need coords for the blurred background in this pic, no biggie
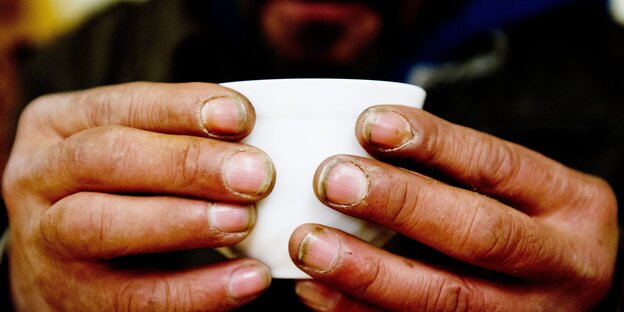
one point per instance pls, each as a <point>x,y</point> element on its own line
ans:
<point>35,22</point>
<point>38,21</point>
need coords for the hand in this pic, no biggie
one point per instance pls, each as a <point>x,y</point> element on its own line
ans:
<point>545,234</point>
<point>127,170</point>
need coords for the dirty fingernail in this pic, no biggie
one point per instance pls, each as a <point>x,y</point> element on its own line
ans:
<point>232,218</point>
<point>319,250</point>
<point>248,281</point>
<point>343,183</point>
<point>386,129</point>
<point>224,116</point>
<point>316,296</point>
<point>248,173</point>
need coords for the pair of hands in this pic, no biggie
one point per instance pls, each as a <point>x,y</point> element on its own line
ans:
<point>141,168</point>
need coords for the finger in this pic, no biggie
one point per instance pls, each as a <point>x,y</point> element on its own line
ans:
<point>103,226</point>
<point>462,224</point>
<point>391,282</point>
<point>119,159</point>
<point>319,297</point>
<point>218,287</point>
<point>512,173</point>
<point>199,109</point>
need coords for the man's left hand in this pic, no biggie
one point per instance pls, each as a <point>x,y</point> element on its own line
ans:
<point>510,211</point>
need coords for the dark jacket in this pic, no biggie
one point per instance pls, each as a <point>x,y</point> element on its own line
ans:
<point>554,80</point>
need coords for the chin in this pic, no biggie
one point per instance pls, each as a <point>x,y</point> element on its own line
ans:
<point>320,31</point>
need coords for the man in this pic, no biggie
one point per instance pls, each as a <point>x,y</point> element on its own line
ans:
<point>105,186</point>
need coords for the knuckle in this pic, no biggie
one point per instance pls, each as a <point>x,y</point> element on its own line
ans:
<point>432,137</point>
<point>32,111</point>
<point>493,239</point>
<point>137,296</point>
<point>156,295</point>
<point>108,148</point>
<point>370,282</point>
<point>38,112</point>
<point>13,182</point>
<point>74,234</point>
<point>500,163</point>
<point>601,200</point>
<point>119,104</point>
<point>186,165</point>
<point>40,104</point>
<point>401,203</point>
<point>99,108</point>
<point>74,155</point>
<point>50,231</point>
<point>454,296</point>
<point>18,173</point>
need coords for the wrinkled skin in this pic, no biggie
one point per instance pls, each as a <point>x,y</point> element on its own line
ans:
<point>548,230</point>
<point>142,168</point>
<point>126,170</point>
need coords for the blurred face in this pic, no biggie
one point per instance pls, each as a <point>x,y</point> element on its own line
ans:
<point>331,31</point>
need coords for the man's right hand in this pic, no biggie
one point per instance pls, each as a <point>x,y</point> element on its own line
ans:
<point>133,169</point>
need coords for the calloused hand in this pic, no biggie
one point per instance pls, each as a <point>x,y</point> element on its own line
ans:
<point>126,170</point>
<point>550,231</point>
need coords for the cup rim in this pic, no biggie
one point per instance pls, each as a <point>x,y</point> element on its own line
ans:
<point>327,80</point>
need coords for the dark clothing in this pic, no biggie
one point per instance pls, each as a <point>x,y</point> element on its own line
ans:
<point>557,87</point>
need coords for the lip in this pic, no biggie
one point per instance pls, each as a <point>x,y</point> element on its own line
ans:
<point>325,11</point>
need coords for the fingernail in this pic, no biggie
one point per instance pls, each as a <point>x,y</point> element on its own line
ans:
<point>224,116</point>
<point>248,281</point>
<point>231,218</point>
<point>343,183</point>
<point>386,129</point>
<point>319,250</point>
<point>248,173</point>
<point>317,297</point>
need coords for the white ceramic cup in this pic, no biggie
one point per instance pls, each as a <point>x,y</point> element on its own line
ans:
<point>300,123</point>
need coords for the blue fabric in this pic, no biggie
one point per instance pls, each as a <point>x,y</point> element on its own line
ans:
<point>480,16</point>
<point>477,17</point>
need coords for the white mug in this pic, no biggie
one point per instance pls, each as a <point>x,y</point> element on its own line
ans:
<point>300,123</point>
